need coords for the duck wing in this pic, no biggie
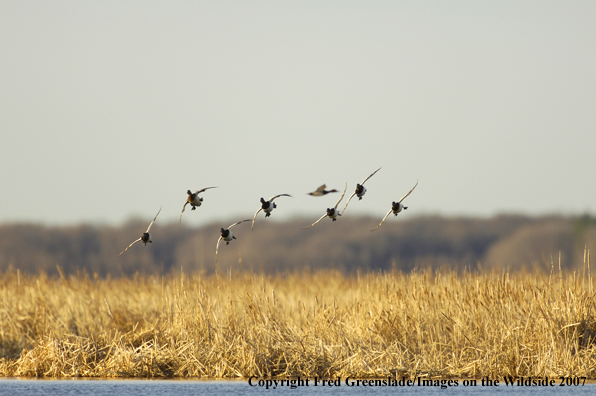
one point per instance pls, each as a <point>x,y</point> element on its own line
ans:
<point>204,189</point>
<point>253,219</point>
<point>371,175</point>
<point>404,197</point>
<point>342,196</point>
<point>183,208</point>
<point>236,223</point>
<point>217,247</point>
<point>129,247</point>
<point>148,228</point>
<point>351,196</point>
<point>321,218</point>
<point>382,221</point>
<point>279,195</point>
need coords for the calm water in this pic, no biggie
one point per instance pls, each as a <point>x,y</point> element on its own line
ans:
<point>18,387</point>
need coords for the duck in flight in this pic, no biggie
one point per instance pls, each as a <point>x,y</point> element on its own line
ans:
<point>397,207</point>
<point>319,192</point>
<point>227,235</point>
<point>331,212</point>
<point>360,190</point>
<point>267,207</point>
<point>193,199</point>
<point>146,237</point>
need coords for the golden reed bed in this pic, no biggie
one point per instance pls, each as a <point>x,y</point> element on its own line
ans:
<point>320,324</point>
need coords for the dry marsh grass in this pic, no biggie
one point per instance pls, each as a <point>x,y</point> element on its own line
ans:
<point>320,324</point>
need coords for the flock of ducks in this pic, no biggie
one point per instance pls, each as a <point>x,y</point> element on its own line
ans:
<point>267,207</point>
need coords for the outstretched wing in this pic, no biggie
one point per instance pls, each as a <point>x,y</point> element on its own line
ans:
<point>322,217</point>
<point>148,228</point>
<point>404,197</point>
<point>236,223</point>
<point>342,196</point>
<point>183,208</point>
<point>279,195</point>
<point>253,219</point>
<point>383,220</point>
<point>217,247</point>
<point>129,247</point>
<point>200,191</point>
<point>351,196</point>
<point>371,175</point>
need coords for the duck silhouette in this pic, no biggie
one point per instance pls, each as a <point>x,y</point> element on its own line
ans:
<point>360,190</point>
<point>331,212</point>
<point>319,192</point>
<point>146,237</point>
<point>193,199</point>
<point>267,207</point>
<point>396,207</point>
<point>227,235</point>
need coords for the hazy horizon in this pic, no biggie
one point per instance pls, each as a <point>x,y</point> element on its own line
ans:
<point>111,110</point>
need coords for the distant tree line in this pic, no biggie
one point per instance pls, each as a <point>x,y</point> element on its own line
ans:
<point>512,242</point>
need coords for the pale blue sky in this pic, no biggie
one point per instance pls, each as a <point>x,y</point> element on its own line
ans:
<point>110,109</point>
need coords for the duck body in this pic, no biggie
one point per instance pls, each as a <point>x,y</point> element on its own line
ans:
<point>322,190</point>
<point>146,238</point>
<point>360,191</point>
<point>227,235</point>
<point>333,213</point>
<point>397,207</point>
<point>267,207</point>
<point>194,200</point>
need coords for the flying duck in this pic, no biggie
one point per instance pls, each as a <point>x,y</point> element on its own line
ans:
<point>193,199</point>
<point>397,207</point>
<point>226,235</point>
<point>146,237</point>
<point>319,192</point>
<point>267,207</point>
<point>360,190</point>
<point>331,212</point>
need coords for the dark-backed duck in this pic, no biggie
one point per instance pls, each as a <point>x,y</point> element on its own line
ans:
<point>267,207</point>
<point>331,212</point>
<point>360,190</point>
<point>146,237</point>
<point>193,199</point>
<point>226,235</point>
<point>397,207</point>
